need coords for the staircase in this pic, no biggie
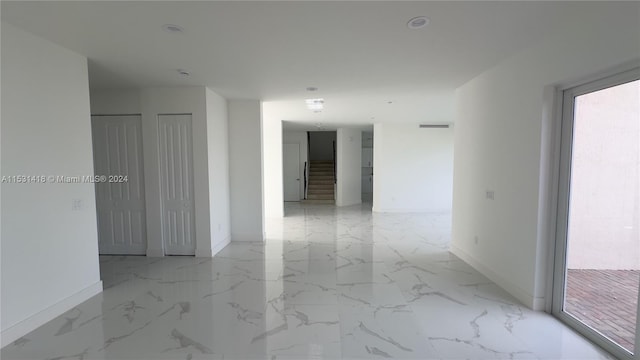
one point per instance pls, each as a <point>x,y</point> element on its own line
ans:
<point>321,181</point>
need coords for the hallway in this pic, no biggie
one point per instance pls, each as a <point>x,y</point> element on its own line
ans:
<point>338,283</point>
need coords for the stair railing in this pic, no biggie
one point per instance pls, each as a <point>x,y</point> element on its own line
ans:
<point>306,180</point>
<point>335,176</point>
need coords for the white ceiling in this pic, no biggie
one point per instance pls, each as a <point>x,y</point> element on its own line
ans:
<point>359,54</point>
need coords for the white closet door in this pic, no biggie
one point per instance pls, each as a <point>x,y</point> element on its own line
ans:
<point>117,152</point>
<point>176,184</point>
<point>291,169</point>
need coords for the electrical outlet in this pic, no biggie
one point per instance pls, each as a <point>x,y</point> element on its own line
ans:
<point>489,194</point>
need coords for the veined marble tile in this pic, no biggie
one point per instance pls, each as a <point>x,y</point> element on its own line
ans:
<point>310,290</point>
<point>305,331</point>
<point>309,251</point>
<point>332,283</point>
<point>382,332</point>
<point>371,295</point>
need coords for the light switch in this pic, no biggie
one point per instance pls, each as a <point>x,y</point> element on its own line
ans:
<point>76,204</point>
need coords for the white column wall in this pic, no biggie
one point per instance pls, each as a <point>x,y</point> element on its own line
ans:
<point>348,167</point>
<point>413,169</point>
<point>218,156</point>
<point>245,170</point>
<point>272,160</point>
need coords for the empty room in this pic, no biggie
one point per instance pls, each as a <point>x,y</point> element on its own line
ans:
<point>320,180</point>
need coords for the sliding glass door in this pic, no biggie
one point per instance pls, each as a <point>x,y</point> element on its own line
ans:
<point>597,274</point>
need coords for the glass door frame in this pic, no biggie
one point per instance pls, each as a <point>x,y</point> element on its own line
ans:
<point>568,96</point>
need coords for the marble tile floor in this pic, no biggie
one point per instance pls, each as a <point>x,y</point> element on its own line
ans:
<point>330,283</point>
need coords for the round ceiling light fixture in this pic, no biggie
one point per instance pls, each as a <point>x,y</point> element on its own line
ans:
<point>312,88</point>
<point>418,22</point>
<point>183,72</point>
<point>172,28</point>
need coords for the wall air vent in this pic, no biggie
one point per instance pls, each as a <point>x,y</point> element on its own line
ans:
<point>434,126</point>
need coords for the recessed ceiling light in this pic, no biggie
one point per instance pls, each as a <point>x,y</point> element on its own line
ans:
<point>172,28</point>
<point>312,88</point>
<point>315,105</point>
<point>183,72</point>
<point>418,22</point>
<point>389,102</point>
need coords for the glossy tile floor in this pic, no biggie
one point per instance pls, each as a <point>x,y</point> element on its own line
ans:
<point>334,284</point>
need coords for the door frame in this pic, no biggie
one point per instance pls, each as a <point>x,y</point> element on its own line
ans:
<point>566,99</point>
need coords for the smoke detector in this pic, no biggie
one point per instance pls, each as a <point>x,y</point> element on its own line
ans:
<point>172,28</point>
<point>418,22</point>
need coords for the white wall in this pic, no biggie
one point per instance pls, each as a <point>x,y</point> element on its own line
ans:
<point>348,167</point>
<point>49,251</point>
<point>210,160</point>
<point>300,138</point>
<point>218,156</point>
<point>245,170</point>
<point>503,142</point>
<point>413,168</point>
<point>115,102</point>
<point>272,160</point>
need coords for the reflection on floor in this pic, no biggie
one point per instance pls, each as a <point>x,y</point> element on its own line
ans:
<point>335,283</point>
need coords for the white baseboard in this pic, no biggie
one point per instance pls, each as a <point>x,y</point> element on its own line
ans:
<point>31,323</point>
<point>219,246</point>
<point>530,301</point>
<point>216,248</point>
<point>155,252</point>
<point>340,204</point>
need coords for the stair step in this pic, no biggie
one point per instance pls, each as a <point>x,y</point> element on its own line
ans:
<point>321,177</point>
<point>321,186</point>
<point>321,182</point>
<point>320,196</point>
<point>320,191</point>
<point>308,201</point>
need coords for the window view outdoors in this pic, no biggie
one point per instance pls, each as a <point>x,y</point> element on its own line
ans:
<point>603,245</point>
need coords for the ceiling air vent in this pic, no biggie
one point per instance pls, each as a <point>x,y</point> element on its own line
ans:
<point>434,126</point>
